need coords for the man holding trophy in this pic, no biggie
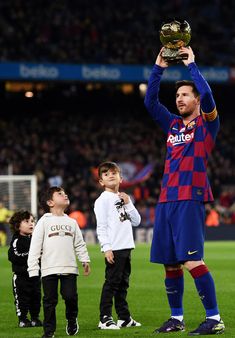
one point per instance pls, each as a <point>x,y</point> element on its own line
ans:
<point>178,236</point>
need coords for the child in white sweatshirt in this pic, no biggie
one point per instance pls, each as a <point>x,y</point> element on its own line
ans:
<point>115,216</point>
<point>56,241</point>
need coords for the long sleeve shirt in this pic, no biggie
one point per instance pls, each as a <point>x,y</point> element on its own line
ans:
<point>115,221</point>
<point>57,240</point>
<point>18,253</point>
<point>188,146</point>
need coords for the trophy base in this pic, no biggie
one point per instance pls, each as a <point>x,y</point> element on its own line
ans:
<point>173,56</point>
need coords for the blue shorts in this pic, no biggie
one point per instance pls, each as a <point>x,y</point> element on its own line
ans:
<point>179,232</point>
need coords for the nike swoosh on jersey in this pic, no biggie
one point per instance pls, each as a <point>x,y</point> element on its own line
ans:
<point>192,252</point>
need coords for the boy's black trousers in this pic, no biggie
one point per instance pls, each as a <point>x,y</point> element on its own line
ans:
<point>27,294</point>
<point>116,285</point>
<point>68,291</point>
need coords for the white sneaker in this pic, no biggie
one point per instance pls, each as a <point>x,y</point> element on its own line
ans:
<point>127,323</point>
<point>108,324</point>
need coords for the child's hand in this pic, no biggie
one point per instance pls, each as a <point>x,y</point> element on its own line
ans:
<point>124,197</point>
<point>109,256</point>
<point>86,269</point>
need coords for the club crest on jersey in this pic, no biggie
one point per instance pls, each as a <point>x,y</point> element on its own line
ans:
<point>191,125</point>
<point>180,138</point>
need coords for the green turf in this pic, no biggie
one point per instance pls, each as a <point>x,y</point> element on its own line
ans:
<point>146,296</point>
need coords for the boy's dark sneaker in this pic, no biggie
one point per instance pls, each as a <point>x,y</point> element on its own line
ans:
<point>171,325</point>
<point>72,327</point>
<point>48,335</point>
<point>209,326</point>
<point>24,323</point>
<point>36,322</point>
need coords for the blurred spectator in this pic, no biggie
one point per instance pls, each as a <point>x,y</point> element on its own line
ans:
<point>141,192</point>
<point>226,198</point>
<point>5,215</point>
<point>147,214</point>
<point>80,217</point>
<point>212,216</point>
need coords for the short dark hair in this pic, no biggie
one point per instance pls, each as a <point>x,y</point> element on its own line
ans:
<point>179,84</point>
<point>17,218</point>
<point>105,166</point>
<point>47,196</point>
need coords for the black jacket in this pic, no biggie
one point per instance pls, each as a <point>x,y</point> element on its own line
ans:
<point>18,253</point>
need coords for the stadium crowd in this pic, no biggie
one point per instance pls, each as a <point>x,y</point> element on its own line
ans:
<point>63,146</point>
<point>112,32</point>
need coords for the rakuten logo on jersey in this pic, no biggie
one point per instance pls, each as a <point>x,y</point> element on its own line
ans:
<point>180,139</point>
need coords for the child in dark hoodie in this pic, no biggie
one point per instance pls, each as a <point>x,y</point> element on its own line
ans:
<point>26,290</point>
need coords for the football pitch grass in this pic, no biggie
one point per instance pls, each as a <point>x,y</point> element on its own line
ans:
<point>146,296</point>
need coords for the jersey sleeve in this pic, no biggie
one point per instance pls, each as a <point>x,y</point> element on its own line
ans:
<point>158,111</point>
<point>208,106</point>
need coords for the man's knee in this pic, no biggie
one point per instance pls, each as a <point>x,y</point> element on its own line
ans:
<point>189,265</point>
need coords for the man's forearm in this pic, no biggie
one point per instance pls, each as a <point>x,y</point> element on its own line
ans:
<point>153,87</point>
<point>206,97</point>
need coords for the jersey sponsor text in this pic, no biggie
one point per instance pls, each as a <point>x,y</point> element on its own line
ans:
<point>180,139</point>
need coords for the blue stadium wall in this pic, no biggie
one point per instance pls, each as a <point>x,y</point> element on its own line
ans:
<point>104,73</point>
<point>142,235</point>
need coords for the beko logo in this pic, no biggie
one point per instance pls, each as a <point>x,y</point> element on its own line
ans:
<point>38,72</point>
<point>100,73</point>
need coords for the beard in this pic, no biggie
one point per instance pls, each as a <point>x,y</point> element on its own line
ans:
<point>186,114</point>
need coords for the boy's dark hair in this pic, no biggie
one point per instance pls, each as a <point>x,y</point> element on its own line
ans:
<point>17,218</point>
<point>179,84</point>
<point>105,166</point>
<point>47,196</point>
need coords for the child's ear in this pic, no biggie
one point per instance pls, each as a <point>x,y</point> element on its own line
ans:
<point>121,179</point>
<point>50,203</point>
<point>101,182</point>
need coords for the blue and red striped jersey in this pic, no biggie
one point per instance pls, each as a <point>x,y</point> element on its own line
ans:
<point>188,146</point>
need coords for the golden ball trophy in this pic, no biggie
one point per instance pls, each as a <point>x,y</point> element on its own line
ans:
<point>174,35</point>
